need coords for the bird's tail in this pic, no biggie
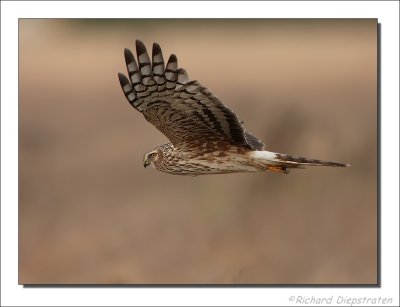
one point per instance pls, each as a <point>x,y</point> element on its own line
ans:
<point>288,159</point>
<point>282,163</point>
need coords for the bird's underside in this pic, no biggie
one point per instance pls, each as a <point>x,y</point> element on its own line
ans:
<point>206,137</point>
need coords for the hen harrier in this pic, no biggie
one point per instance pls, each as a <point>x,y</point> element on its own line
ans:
<point>206,137</point>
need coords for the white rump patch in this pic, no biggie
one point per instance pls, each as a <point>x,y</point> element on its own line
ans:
<point>264,155</point>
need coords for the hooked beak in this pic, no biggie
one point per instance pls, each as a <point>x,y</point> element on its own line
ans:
<point>146,162</point>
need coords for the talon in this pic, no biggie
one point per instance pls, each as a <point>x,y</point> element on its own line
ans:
<point>277,169</point>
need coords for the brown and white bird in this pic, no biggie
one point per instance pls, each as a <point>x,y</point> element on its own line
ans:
<point>206,137</point>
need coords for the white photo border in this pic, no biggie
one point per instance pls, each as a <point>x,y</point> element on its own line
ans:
<point>12,294</point>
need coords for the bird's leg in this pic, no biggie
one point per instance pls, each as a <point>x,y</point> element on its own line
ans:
<point>277,169</point>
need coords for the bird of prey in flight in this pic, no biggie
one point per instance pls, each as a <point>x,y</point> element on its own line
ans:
<point>205,136</point>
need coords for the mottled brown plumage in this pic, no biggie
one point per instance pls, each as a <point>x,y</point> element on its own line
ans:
<point>206,137</point>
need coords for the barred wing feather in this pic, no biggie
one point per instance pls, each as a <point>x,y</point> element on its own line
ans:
<point>185,111</point>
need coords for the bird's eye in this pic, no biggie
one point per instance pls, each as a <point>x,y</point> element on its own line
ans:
<point>153,155</point>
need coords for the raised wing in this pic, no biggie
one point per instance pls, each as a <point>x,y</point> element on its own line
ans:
<point>185,111</point>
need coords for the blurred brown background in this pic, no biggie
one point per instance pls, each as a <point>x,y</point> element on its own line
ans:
<point>90,213</point>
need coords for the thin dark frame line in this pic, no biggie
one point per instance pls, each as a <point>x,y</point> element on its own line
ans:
<point>201,286</point>
<point>378,155</point>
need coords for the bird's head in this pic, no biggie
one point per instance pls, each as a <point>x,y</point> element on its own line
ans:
<point>150,158</point>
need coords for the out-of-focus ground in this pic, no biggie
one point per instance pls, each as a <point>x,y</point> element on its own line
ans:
<point>90,213</point>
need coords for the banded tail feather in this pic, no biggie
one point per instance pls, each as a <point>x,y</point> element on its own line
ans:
<point>306,161</point>
<point>282,163</point>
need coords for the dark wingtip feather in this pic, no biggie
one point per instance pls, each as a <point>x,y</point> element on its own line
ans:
<point>173,58</point>
<point>156,48</point>
<point>140,47</point>
<point>128,55</point>
<point>122,79</point>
